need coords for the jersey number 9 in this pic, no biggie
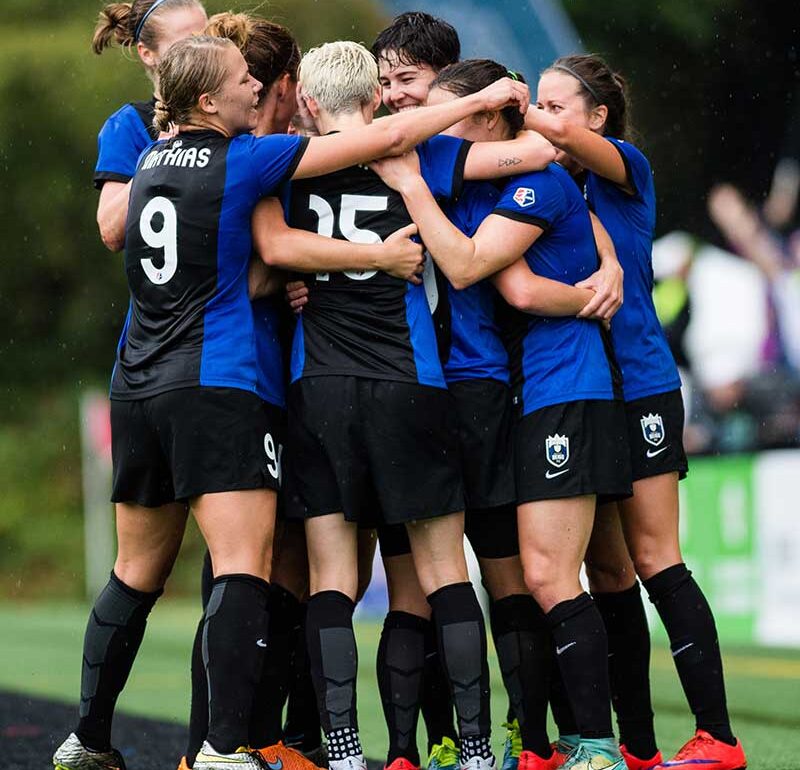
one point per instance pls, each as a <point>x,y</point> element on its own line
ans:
<point>166,238</point>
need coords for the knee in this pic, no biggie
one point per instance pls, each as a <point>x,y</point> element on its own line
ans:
<point>610,578</point>
<point>143,577</point>
<point>651,557</point>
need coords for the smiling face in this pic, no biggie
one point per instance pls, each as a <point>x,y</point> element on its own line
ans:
<point>404,86</point>
<point>235,102</point>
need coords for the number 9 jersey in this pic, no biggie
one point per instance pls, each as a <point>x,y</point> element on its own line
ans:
<point>187,248</point>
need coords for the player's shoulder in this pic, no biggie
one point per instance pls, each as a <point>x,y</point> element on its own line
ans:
<point>545,184</point>
<point>630,152</point>
<point>129,115</point>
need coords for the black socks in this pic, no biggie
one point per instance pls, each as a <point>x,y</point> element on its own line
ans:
<point>234,642</point>
<point>302,729</point>
<point>198,711</point>
<point>461,638</point>
<point>695,647</point>
<point>334,664</point>
<point>113,635</point>
<point>581,645</point>
<point>437,699</point>
<point>629,667</point>
<point>276,676</point>
<point>523,644</point>
<point>400,664</point>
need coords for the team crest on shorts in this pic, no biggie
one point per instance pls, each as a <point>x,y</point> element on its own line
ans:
<point>557,450</point>
<point>524,197</point>
<point>653,429</point>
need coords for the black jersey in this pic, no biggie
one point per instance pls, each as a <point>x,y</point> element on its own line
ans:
<point>368,323</point>
<point>187,250</point>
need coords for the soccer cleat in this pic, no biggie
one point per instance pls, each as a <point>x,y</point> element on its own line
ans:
<point>594,754</point>
<point>563,747</point>
<point>704,749</point>
<point>634,763</point>
<point>530,760</point>
<point>183,764</point>
<point>208,758</point>
<point>512,747</point>
<point>444,755</point>
<point>356,762</point>
<point>401,763</point>
<point>73,755</point>
<point>479,763</point>
<point>281,757</point>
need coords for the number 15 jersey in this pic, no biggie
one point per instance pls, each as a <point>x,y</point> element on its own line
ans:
<point>368,323</point>
<point>187,248</point>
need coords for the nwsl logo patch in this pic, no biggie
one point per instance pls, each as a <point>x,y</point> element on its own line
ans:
<point>524,197</point>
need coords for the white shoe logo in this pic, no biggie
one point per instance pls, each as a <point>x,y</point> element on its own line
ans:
<point>552,475</point>
<point>682,649</point>
<point>261,643</point>
<point>651,453</point>
<point>559,650</point>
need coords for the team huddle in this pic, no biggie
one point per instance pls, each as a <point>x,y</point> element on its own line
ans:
<point>305,377</point>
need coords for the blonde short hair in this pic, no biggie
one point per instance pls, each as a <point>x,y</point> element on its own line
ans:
<point>340,76</point>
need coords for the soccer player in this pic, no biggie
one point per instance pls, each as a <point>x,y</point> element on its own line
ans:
<point>570,444</point>
<point>584,111</point>
<point>188,427</point>
<point>151,26</point>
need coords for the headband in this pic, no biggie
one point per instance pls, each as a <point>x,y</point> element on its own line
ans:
<point>577,77</point>
<point>513,75</point>
<point>145,18</point>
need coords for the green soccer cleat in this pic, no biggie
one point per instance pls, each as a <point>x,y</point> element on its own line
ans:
<point>595,754</point>
<point>512,747</point>
<point>444,756</point>
<point>73,755</point>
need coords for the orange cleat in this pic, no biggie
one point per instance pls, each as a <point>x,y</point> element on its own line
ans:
<point>634,763</point>
<point>529,760</point>
<point>280,757</point>
<point>705,750</point>
<point>183,765</point>
<point>401,763</point>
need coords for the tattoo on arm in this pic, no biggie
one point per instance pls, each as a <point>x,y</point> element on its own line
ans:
<point>501,162</point>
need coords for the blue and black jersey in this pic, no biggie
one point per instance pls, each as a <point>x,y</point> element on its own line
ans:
<point>641,347</point>
<point>556,360</point>
<point>368,324</point>
<point>187,249</point>
<point>476,348</point>
<point>121,141</point>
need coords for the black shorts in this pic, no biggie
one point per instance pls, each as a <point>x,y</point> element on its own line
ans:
<point>375,450</point>
<point>485,433</point>
<point>492,533</point>
<point>188,442</point>
<point>655,435</point>
<point>577,448</point>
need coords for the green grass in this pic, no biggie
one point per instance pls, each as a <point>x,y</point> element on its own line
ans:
<point>41,651</point>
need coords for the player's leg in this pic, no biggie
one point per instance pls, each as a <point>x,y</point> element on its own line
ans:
<point>650,520</point>
<point>403,692</point>
<point>238,528</point>
<point>521,635</point>
<point>333,658</point>
<point>616,592</point>
<point>438,550</point>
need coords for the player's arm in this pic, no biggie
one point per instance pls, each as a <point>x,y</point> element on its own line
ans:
<point>591,150</point>
<point>281,246</point>
<point>399,133</point>
<point>607,281</point>
<point>263,280</point>
<point>112,212</point>
<point>530,293</point>
<point>529,151</point>
<point>498,243</point>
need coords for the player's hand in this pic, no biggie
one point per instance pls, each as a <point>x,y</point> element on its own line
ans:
<point>397,171</point>
<point>607,286</point>
<point>402,257</point>
<point>506,91</point>
<point>296,295</point>
<point>307,125</point>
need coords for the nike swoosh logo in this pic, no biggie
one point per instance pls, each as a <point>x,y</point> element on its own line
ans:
<point>618,765</point>
<point>684,762</point>
<point>278,765</point>
<point>559,650</point>
<point>262,643</point>
<point>682,649</point>
<point>651,453</point>
<point>552,475</point>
